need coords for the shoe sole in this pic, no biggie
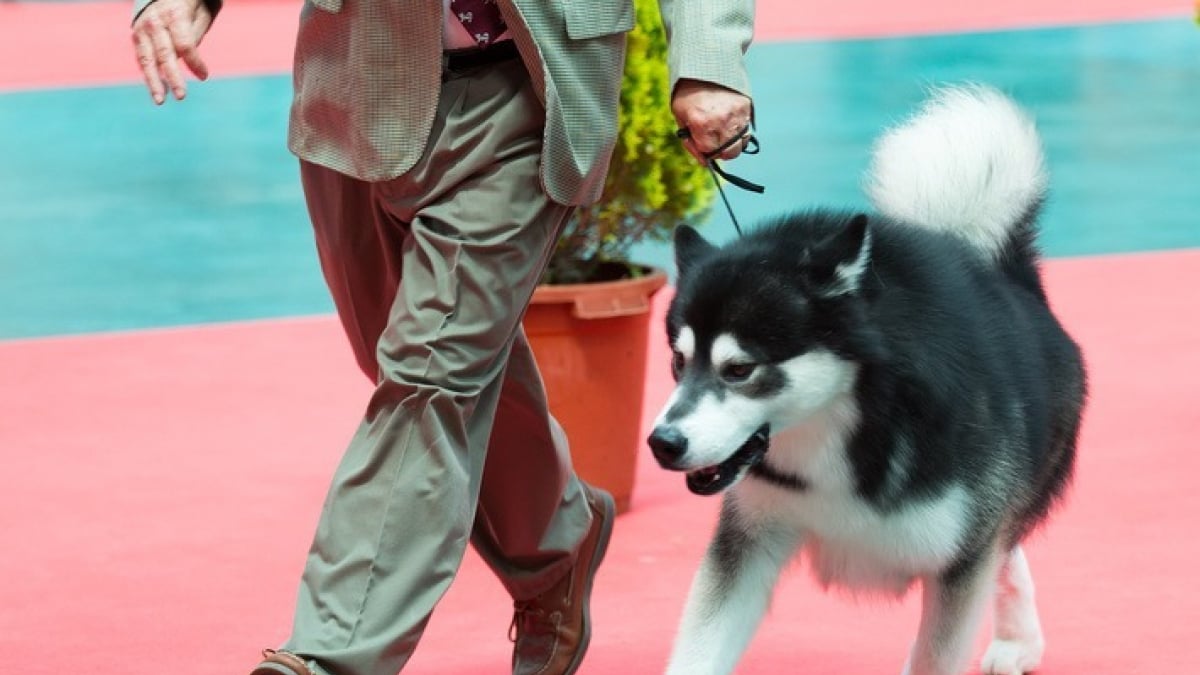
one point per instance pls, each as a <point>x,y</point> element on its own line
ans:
<point>609,508</point>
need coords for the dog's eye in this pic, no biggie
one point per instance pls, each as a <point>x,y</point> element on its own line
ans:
<point>678,361</point>
<point>737,372</point>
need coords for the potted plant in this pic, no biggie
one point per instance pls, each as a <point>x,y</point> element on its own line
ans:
<point>588,323</point>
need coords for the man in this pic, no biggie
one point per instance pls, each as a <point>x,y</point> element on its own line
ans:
<point>443,144</point>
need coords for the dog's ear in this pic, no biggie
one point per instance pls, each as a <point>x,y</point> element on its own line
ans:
<point>839,261</point>
<point>690,246</point>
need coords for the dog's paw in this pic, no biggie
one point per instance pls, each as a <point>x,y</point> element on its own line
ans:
<point>1012,657</point>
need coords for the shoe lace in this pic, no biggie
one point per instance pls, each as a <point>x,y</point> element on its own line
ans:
<point>525,614</point>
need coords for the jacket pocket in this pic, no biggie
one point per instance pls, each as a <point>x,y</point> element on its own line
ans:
<point>596,18</point>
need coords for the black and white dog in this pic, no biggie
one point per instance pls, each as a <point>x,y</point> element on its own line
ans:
<point>888,394</point>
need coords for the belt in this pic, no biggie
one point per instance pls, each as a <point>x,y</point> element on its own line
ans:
<point>461,60</point>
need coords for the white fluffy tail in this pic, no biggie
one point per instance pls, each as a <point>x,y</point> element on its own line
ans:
<point>968,162</point>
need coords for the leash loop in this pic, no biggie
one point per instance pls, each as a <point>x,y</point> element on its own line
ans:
<point>710,160</point>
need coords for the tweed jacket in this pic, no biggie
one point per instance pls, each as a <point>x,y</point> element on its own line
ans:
<point>368,72</point>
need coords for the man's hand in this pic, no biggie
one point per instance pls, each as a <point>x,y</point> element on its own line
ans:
<point>166,31</point>
<point>713,115</point>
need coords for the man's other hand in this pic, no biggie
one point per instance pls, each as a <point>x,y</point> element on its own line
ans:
<point>166,32</point>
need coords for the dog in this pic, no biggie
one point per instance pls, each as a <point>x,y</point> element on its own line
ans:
<point>887,394</point>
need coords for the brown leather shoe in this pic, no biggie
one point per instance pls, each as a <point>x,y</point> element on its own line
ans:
<point>281,663</point>
<point>553,629</point>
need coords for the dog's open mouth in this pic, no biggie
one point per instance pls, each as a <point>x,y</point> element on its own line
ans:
<point>713,479</point>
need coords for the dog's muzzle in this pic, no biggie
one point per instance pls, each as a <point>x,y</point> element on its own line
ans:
<point>670,446</point>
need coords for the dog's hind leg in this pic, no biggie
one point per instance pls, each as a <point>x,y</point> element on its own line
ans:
<point>729,595</point>
<point>1017,642</point>
<point>953,606</point>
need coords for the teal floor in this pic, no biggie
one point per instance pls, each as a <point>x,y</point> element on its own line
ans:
<point>117,215</point>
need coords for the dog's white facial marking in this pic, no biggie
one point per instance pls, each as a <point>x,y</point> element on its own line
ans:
<point>814,380</point>
<point>726,350</point>
<point>685,343</point>
<point>716,428</point>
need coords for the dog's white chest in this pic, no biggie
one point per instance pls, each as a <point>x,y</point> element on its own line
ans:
<point>848,541</point>
<point>852,545</point>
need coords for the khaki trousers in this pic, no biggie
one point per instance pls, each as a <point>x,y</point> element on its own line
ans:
<point>431,273</point>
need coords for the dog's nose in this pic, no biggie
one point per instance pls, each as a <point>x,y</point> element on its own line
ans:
<point>667,444</point>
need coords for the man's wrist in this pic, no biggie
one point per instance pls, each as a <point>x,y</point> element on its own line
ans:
<point>213,6</point>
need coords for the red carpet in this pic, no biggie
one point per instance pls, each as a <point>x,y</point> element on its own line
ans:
<point>87,44</point>
<point>158,491</point>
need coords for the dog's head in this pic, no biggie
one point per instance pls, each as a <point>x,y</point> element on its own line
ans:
<point>766,333</point>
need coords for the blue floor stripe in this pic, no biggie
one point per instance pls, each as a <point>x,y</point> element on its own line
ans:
<point>118,215</point>
<point>115,214</point>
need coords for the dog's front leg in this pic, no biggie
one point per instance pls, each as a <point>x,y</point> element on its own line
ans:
<point>730,593</point>
<point>951,613</point>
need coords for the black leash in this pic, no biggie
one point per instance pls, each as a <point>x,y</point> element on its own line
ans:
<point>710,160</point>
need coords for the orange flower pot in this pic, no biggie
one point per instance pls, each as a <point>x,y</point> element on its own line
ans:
<point>590,342</point>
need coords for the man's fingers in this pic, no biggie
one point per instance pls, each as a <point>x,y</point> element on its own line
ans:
<point>702,141</point>
<point>704,144</point>
<point>736,148</point>
<point>144,49</point>
<point>690,145</point>
<point>185,42</point>
<point>166,58</point>
<point>166,32</point>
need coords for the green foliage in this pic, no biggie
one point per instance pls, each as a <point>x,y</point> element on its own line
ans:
<point>652,185</point>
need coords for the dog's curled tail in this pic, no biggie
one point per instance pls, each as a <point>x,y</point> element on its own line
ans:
<point>969,162</point>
